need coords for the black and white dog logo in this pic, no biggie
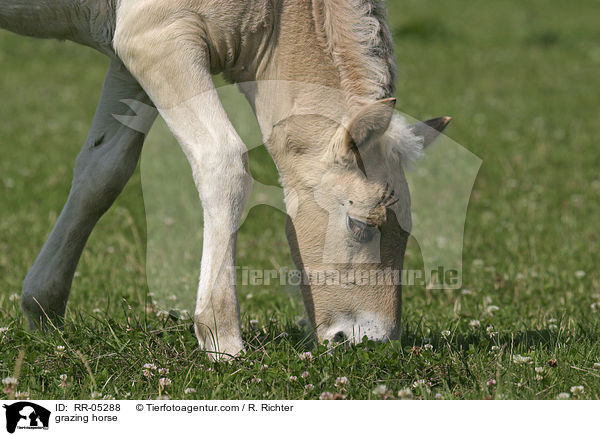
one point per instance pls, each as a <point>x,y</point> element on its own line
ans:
<point>26,415</point>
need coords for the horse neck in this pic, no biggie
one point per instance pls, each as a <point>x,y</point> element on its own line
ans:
<point>296,74</point>
<point>299,73</point>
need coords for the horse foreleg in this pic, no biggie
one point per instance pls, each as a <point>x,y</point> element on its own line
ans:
<point>177,77</point>
<point>103,167</point>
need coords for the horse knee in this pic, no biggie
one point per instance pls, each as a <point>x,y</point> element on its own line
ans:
<point>224,179</point>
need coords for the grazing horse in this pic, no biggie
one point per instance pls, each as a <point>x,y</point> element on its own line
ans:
<point>320,76</point>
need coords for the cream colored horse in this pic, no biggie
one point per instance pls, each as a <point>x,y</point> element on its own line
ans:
<point>320,76</point>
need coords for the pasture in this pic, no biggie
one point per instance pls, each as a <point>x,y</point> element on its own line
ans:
<point>521,83</point>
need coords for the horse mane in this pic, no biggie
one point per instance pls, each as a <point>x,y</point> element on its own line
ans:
<point>356,35</point>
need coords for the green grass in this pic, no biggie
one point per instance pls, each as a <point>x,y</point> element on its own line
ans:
<point>521,81</point>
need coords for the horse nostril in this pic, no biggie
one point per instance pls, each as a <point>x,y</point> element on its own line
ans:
<point>339,337</point>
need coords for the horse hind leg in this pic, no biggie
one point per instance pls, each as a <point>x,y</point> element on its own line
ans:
<point>103,167</point>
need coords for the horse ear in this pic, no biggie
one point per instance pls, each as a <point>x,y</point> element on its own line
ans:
<point>430,129</point>
<point>371,122</point>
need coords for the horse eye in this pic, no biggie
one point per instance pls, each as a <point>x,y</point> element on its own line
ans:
<point>360,231</point>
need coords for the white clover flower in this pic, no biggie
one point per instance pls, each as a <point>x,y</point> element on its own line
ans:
<point>428,347</point>
<point>162,315</point>
<point>3,330</point>
<point>189,391</point>
<point>492,308</point>
<point>309,387</point>
<point>148,368</point>
<point>326,396</point>
<point>380,390</point>
<point>10,381</point>
<point>293,378</point>
<point>438,396</point>
<point>405,394</point>
<point>22,395</point>
<point>164,381</point>
<point>60,348</point>
<point>163,371</point>
<point>305,374</point>
<point>579,274</point>
<point>341,381</point>
<point>490,329</point>
<point>418,383</point>
<point>256,380</point>
<point>96,310</point>
<point>446,333</point>
<point>577,390</point>
<point>475,323</point>
<point>306,356</point>
<point>95,395</point>
<point>495,348</point>
<point>564,396</point>
<point>14,297</point>
<point>552,320</point>
<point>521,359</point>
<point>540,369</point>
<point>264,367</point>
<point>552,327</point>
<point>595,306</point>
<point>491,382</point>
<point>63,377</point>
<point>596,364</point>
<point>254,323</point>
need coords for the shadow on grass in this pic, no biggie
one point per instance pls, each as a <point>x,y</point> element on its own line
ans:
<point>518,340</point>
